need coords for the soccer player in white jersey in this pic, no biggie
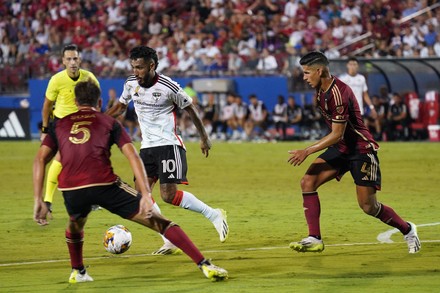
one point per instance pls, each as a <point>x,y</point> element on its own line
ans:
<point>156,98</point>
<point>358,85</point>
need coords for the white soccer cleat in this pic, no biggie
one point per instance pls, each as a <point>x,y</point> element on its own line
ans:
<point>167,249</point>
<point>213,272</point>
<point>221,225</point>
<point>412,239</point>
<point>76,277</point>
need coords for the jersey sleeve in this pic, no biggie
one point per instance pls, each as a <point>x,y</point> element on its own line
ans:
<point>93,77</point>
<point>340,107</point>
<point>52,90</point>
<point>364,84</point>
<point>120,135</point>
<point>125,97</point>
<point>181,99</point>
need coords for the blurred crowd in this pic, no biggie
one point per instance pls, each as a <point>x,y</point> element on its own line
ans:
<point>211,37</point>
<point>233,118</point>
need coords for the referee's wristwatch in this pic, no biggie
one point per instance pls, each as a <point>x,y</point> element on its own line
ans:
<point>44,129</point>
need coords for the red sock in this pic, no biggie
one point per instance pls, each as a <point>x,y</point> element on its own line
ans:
<point>181,240</point>
<point>389,217</point>
<point>178,198</point>
<point>75,244</point>
<point>312,211</point>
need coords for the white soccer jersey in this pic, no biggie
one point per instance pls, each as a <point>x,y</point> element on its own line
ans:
<point>358,85</point>
<point>156,109</point>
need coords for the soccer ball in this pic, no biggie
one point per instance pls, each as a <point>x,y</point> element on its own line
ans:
<point>117,239</point>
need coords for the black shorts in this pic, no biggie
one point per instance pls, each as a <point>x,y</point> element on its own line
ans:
<point>166,163</point>
<point>364,168</point>
<point>118,198</point>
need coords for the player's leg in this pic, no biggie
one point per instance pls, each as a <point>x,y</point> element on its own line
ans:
<point>52,180</point>
<point>368,180</point>
<point>172,170</point>
<point>78,211</point>
<point>124,201</point>
<point>178,237</point>
<point>151,162</point>
<point>317,174</point>
<point>189,201</point>
<point>168,247</point>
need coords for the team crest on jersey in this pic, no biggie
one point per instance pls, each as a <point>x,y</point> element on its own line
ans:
<point>156,96</point>
<point>136,91</point>
<point>340,109</point>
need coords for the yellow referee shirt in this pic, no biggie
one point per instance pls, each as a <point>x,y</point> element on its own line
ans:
<point>61,91</point>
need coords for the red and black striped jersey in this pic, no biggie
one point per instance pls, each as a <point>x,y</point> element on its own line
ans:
<point>339,105</point>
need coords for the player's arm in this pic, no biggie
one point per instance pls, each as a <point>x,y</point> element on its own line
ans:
<point>205,143</point>
<point>45,114</point>
<point>146,205</point>
<point>368,101</point>
<point>116,110</point>
<point>43,157</point>
<point>337,134</point>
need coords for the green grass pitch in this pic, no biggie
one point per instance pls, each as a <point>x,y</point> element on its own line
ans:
<point>262,196</point>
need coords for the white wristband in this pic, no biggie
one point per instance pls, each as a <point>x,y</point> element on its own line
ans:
<point>371,107</point>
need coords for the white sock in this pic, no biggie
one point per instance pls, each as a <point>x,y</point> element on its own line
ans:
<point>156,207</point>
<point>192,203</point>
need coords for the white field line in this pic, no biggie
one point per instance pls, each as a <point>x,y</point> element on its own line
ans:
<point>381,241</point>
<point>385,237</point>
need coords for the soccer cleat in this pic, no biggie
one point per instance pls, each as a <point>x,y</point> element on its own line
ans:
<point>96,207</point>
<point>213,272</point>
<point>412,239</point>
<point>221,225</point>
<point>76,277</point>
<point>309,244</point>
<point>167,249</point>
<point>49,209</point>
<point>49,206</point>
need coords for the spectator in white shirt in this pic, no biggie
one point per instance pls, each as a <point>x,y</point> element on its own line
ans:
<point>122,66</point>
<point>186,63</point>
<point>350,10</point>
<point>290,8</point>
<point>267,62</point>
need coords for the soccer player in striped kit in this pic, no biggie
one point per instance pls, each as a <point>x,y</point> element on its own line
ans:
<point>349,147</point>
<point>156,98</point>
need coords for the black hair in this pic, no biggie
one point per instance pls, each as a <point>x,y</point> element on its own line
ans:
<point>87,93</point>
<point>145,53</point>
<point>70,47</point>
<point>352,58</point>
<point>313,58</point>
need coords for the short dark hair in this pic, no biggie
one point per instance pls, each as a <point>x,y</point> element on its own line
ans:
<point>145,53</point>
<point>313,58</point>
<point>70,47</point>
<point>352,58</point>
<point>87,93</point>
